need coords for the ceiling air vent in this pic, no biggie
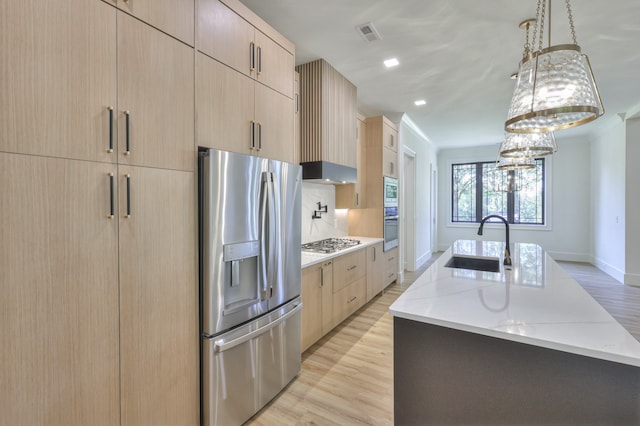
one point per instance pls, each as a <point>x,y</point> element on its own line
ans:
<point>369,32</point>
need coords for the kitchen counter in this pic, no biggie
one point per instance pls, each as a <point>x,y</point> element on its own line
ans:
<point>527,344</point>
<point>536,303</point>
<point>310,258</point>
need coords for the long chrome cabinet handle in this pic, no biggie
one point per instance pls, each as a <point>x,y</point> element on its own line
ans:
<point>259,137</point>
<point>252,57</point>
<point>352,267</point>
<point>112,206</point>
<point>252,141</point>
<point>259,60</point>
<point>110,109</point>
<point>127,140</point>
<point>221,346</point>
<point>128,176</point>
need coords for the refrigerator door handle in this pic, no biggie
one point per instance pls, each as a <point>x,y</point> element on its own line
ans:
<point>221,345</point>
<point>267,235</point>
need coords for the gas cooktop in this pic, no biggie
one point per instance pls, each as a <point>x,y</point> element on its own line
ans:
<point>329,245</point>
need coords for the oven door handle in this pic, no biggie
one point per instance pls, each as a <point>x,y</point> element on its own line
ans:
<point>221,345</point>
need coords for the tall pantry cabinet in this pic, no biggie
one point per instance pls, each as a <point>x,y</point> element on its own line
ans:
<point>97,215</point>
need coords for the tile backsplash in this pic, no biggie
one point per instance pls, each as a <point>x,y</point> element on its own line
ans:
<point>334,223</point>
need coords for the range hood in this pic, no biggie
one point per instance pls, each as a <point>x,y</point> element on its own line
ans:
<point>329,173</point>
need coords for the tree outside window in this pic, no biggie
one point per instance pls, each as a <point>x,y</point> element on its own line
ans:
<point>480,189</point>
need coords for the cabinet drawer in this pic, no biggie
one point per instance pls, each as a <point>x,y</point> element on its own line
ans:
<point>348,300</point>
<point>348,268</point>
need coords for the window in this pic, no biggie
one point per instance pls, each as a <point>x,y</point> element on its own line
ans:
<point>480,189</point>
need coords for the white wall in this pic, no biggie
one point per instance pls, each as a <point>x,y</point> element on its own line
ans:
<point>424,160</point>
<point>632,203</point>
<point>334,223</point>
<point>608,200</point>
<point>568,208</point>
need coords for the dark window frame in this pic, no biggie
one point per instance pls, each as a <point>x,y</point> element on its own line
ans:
<point>511,199</point>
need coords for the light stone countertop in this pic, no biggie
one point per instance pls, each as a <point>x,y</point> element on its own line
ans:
<point>309,259</point>
<point>536,303</point>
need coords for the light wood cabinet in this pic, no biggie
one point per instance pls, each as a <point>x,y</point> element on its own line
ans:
<point>349,284</point>
<point>234,113</point>
<point>274,118</point>
<point>316,295</point>
<point>224,107</point>
<point>158,297</point>
<point>329,110</point>
<point>348,300</point>
<point>391,266</point>
<point>376,269</point>
<point>58,78</point>
<point>175,17</point>
<point>389,162</point>
<point>353,195</point>
<point>389,135</point>
<point>380,161</point>
<point>59,293</point>
<point>226,32</point>
<point>155,98</point>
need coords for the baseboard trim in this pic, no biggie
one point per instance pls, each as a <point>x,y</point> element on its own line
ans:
<point>611,270</point>
<point>569,256</point>
<point>423,259</point>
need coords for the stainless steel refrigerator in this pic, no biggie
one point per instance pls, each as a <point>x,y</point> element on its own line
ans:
<point>249,282</point>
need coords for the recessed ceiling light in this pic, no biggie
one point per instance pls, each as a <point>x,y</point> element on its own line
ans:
<point>391,62</point>
<point>420,102</point>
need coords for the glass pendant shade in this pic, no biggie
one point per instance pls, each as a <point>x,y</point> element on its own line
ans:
<point>555,90</point>
<point>515,163</point>
<point>528,145</point>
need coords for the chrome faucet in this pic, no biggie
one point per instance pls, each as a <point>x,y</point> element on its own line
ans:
<point>507,252</point>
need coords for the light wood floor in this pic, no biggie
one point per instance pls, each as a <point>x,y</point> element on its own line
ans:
<point>347,376</point>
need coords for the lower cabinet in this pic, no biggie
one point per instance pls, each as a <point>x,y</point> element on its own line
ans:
<point>391,268</point>
<point>349,284</point>
<point>376,269</point>
<point>59,358</point>
<point>98,298</point>
<point>317,312</point>
<point>159,360</point>
<point>331,292</point>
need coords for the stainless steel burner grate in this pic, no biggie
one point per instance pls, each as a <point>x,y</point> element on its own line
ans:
<point>329,245</point>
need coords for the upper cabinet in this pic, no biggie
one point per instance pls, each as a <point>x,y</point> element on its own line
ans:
<point>329,110</point>
<point>174,17</point>
<point>353,195</point>
<point>89,82</point>
<point>155,97</point>
<point>58,79</point>
<point>244,83</point>
<point>233,35</point>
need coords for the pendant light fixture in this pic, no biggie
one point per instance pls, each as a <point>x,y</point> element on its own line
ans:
<point>555,88</point>
<point>515,163</point>
<point>528,145</point>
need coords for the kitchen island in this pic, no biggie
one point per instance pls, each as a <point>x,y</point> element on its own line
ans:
<point>521,346</point>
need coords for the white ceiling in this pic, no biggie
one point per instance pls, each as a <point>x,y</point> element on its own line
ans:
<point>458,55</point>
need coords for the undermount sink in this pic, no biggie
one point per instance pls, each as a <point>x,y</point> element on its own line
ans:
<point>485,264</point>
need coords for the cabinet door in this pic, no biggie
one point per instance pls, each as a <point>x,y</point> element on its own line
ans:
<point>274,115</point>
<point>175,17</point>
<point>274,65</point>
<point>391,267</point>
<point>376,263</point>
<point>348,268</point>
<point>158,310</point>
<point>311,294</point>
<point>225,36</point>
<point>59,292</point>
<point>352,196</point>
<point>58,78</point>
<point>225,106</point>
<point>389,137</point>
<point>389,162</point>
<point>155,97</point>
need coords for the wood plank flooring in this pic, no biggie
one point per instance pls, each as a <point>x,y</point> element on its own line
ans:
<point>347,376</point>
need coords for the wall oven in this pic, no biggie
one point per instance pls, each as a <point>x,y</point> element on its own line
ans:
<point>390,229</point>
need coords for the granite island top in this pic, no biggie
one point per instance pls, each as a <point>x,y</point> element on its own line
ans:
<point>310,258</point>
<point>536,302</point>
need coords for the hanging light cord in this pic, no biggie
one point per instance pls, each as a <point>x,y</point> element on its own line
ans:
<point>573,29</point>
